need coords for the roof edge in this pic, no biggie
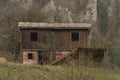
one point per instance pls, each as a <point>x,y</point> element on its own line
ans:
<point>53,25</point>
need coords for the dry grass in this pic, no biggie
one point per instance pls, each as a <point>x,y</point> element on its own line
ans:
<point>13,71</point>
<point>3,59</point>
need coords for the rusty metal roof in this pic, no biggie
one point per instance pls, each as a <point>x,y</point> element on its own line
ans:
<point>54,25</point>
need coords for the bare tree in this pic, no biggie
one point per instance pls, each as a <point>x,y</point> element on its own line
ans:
<point>10,34</point>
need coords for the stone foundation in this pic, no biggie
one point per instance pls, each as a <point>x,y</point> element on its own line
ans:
<point>33,56</point>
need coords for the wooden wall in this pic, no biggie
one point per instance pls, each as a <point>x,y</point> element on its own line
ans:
<point>54,39</point>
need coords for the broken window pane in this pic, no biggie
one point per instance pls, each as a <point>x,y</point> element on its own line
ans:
<point>75,36</point>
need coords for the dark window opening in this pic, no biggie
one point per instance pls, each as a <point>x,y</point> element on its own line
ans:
<point>30,56</point>
<point>75,36</point>
<point>34,36</point>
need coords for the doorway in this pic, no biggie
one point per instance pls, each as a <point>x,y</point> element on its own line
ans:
<point>40,58</point>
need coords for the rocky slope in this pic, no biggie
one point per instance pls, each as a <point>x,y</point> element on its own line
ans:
<point>66,10</point>
<point>90,11</point>
<point>70,11</point>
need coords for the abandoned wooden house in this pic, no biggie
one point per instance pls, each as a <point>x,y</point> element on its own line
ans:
<point>55,40</point>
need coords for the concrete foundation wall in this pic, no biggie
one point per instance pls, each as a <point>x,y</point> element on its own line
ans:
<point>34,60</point>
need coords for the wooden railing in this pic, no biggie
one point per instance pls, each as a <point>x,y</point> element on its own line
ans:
<point>64,57</point>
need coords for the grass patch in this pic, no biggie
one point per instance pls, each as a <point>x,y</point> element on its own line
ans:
<point>12,71</point>
<point>4,70</point>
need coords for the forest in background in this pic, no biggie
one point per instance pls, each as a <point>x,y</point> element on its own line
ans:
<point>105,31</point>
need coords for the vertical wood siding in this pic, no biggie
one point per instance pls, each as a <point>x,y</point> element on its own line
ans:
<point>55,39</point>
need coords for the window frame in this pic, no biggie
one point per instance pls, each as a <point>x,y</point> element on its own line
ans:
<point>37,36</point>
<point>30,57</point>
<point>78,36</point>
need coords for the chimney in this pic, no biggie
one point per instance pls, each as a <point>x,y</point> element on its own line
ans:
<point>52,19</point>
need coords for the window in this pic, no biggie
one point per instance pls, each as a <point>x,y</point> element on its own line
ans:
<point>75,36</point>
<point>30,56</point>
<point>33,36</point>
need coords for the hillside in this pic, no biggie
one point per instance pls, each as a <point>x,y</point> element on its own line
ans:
<point>11,71</point>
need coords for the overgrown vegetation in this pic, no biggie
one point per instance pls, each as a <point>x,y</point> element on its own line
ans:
<point>81,6</point>
<point>114,38</point>
<point>103,25</point>
<point>10,33</point>
<point>11,71</point>
<point>108,28</point>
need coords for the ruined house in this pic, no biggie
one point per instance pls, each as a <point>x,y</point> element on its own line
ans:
<point>57,40</point>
